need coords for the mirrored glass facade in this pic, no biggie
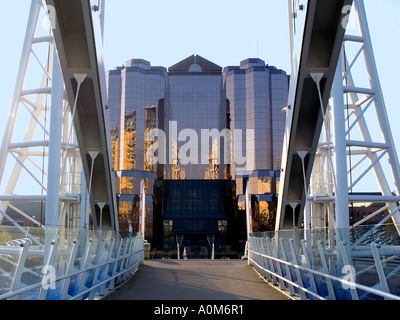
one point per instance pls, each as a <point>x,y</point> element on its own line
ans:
<point>196,122</point>
<point>134,93</point>
<point>257,93</point>
<point>195,119</point>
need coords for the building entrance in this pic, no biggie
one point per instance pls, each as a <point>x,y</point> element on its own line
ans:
<point>195,247</point>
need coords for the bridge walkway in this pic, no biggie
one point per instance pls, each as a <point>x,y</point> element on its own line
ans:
<point>196,280</point>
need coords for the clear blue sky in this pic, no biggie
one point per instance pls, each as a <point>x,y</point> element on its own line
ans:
<point>223,31</point>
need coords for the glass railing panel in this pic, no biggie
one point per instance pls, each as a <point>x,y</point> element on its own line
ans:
<point>368,256</point>
<point>51,254</point>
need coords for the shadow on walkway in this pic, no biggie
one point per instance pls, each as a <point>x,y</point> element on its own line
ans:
<point>196,280</point>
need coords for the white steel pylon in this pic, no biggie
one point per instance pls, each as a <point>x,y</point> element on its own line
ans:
<point>357,146</point>
<point>44,165</point>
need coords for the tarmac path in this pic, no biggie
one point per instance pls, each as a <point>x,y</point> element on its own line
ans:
<point>196,280</point>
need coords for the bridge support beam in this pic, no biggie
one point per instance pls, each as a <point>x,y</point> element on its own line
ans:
<point>340,158</point>
<point>54,166</point>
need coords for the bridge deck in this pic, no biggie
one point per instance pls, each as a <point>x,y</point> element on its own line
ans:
<point>196,280</point>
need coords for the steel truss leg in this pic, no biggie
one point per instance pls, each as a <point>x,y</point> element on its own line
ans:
<point>344,149</point>
<point>55,184</point>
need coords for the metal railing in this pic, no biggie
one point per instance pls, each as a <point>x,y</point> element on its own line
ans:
<point>65,264</point>
<point>313,266</point>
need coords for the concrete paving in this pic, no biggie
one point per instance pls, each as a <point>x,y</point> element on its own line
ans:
<point>196,280</point>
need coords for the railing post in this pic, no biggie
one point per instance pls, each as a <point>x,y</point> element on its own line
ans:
<point>278,268</point>
<point>265,264</point>
<point>107,268</point>
<point>346,262</point>
<point>298,272</point>
<point>117,263</point>
<point>20,266</point>
<point>285,257</point>
<point>379,269</point>
<point>85,264</point>
<point>126,258</point>
<point>270,263</point>
<point>129,259</point>
<point>309,265</point>
<point>331,291</point>
<point>65,283</point>
<point>96,271</point>
<point>49,262</point>
<point>122,261</point>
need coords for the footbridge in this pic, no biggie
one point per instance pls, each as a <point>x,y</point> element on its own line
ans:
<point>75,250</point>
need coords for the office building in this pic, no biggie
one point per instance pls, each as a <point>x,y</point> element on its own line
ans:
<point>257,94</point>
<point>195,133</point>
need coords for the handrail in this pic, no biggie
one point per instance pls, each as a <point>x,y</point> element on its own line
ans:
<point>75,273</point>
<point>325,275</point>
<point>287,265</point>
